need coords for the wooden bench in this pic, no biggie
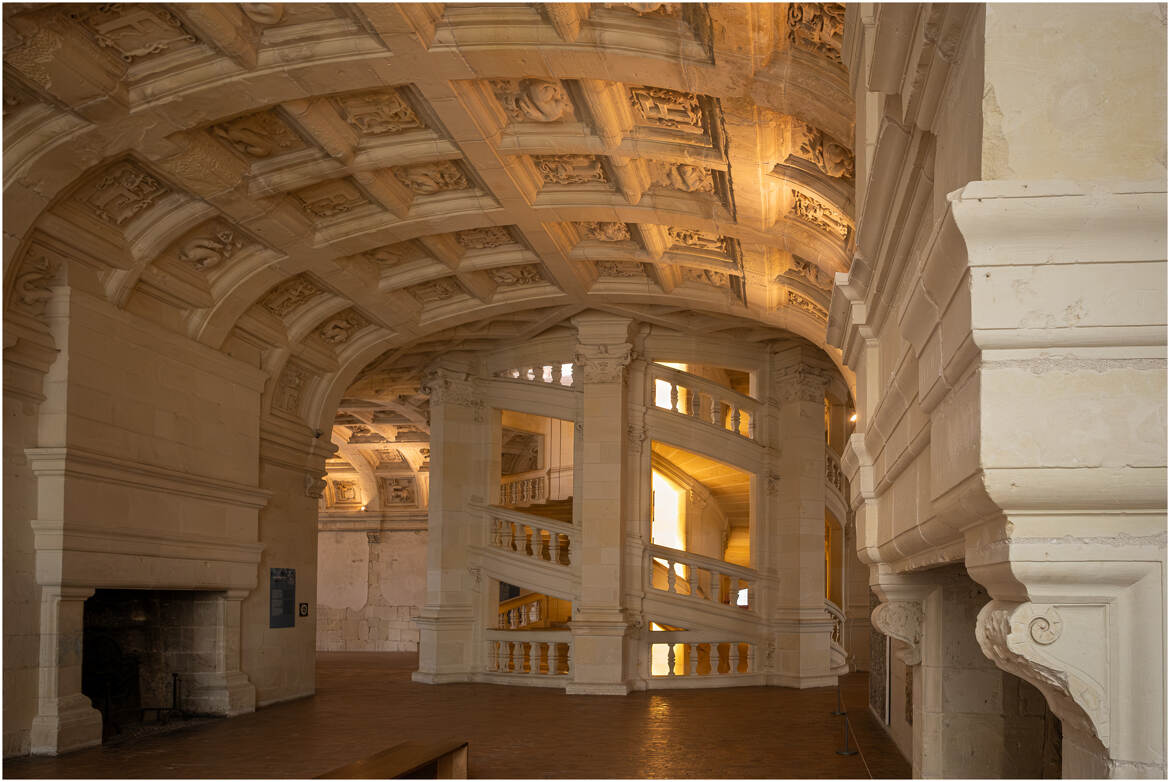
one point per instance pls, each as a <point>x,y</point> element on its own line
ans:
<point>409,760</point>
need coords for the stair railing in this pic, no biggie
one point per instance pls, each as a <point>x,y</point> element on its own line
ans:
<point>676,654</point>
<point>530,653</point>
<point>705,401</point>
<point>525,488</point>
<point>700,578</point>
<point>531,536</point>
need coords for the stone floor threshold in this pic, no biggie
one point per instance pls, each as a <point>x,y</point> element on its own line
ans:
<point>366,702</point>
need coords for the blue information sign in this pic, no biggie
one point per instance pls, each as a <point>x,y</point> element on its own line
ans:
<point>282,593</point>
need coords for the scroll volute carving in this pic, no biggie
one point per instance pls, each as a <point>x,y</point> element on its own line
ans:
<point>901,619</point>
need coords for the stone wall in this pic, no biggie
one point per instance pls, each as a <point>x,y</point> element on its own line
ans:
<point>371,586</point>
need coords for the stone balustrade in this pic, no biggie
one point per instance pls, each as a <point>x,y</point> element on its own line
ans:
<point>531,536</point>
<point>547,653</point>
<point>837,635</point>
<point>556,374</point>
<point>676,654</point>
<point>704,401</point>
<point>700,578</point>
<point>834,479</point>
<point>524,488</point>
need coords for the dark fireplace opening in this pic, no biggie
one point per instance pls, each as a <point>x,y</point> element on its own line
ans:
<point>136,647</point>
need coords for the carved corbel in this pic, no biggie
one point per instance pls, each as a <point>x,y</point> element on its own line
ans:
<point>801,383</point>
<point>1020,638</point>
<point>902,620</point>
<point>447,387</point>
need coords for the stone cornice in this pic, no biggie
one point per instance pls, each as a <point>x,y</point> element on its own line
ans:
<point>74,462</point>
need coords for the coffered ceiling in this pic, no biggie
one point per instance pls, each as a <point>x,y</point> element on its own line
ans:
<point>315,186</point>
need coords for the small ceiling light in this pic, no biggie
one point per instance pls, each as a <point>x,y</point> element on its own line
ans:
<point>363,507</point>
<point>853,418</point>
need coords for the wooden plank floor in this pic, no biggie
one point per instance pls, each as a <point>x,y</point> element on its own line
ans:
<point>366,702</point>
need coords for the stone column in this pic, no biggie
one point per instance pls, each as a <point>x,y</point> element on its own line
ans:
<point>599,622</point>
<point>65,718</point>
<point>222,688</point>
<point>460,466</point>
<point>802,627</point>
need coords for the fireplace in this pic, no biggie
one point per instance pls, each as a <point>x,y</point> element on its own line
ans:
<point>142,651</point>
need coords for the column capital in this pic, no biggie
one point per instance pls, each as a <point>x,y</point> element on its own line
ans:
<point>450,386</point>
<point>800,383</point>
<point>603,363</point>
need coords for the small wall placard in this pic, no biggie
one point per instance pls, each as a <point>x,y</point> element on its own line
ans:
<point>282,592</point>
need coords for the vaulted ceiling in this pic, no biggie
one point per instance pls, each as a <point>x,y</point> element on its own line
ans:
<point>313,187</point>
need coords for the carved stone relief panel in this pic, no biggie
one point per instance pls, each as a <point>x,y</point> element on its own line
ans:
<point>360,433</point>
<point>134,31</point>
<point>800,269</point>
<point>290,387</point>
<point>264,14</point>
<point>33,284</point>
<point>399,492</point>
<point>338,329</point>
<point>817,27</point>
<point>393,254</point>
<point>533,100</point>
<point>648,9</point>
<point>705,276</point>
<point>431,178</point>
<point>487,238</point>
<point>120,192</point>
<point>681,176</point>
<point>326,200</point>
<point>377,113</point>
<point>605,232</point>
<point>570,169</point>
<point>698,240</point>
<point>801,302</point>
<point>290,294</point>
<point>210,245</point>
<point>345,493</point>
<point>822,151</point>
<point>658,107</point>
<point>819,214</point>
<point>517,276</point>
<point>435,291</point>
<point>259,135</point>
<point>621,269</point>
<point>390,457</point>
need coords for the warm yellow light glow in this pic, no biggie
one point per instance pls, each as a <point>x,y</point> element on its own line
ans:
<point>660,659</point>
<point>853,418</point>
<point>668,528</point>
<point>363,507</point>
<point>662,394</point>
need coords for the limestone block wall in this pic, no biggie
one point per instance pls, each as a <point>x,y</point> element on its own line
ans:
<point>371,586</point>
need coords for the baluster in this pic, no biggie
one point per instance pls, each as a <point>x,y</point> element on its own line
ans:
<point>716,411</point>
<point>735,415</point>
<point>692,659</point>
<point>673,397</point>
<point>568,657</point>
<point>751,426</point>
<point>693,403</point>
<point>713,592</point>
<point>733,657</point>
<point>527,540</point>
<point>554,547</point>
<point>566,558</point>
<point>670,577</point>
<point>693,580</point>
<point>670,659</point>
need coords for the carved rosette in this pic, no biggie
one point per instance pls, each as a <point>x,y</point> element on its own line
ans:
<point>902,620</point>
<point>801,384</point>
<point>603,363</point>
<point>1021,638</point>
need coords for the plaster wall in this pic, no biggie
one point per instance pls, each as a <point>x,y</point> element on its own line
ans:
<point>370,586</point>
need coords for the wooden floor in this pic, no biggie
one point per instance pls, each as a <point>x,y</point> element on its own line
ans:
<point>366,702</point>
